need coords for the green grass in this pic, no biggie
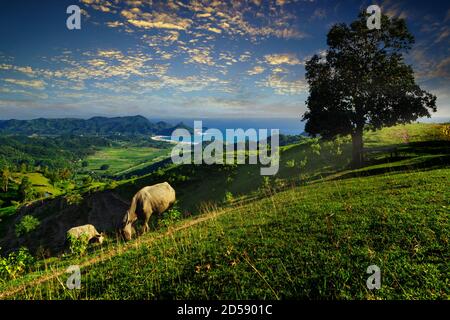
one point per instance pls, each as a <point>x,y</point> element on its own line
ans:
<point>39,182</point>
<point>404,134</point>
<point>311,242</point>
<point>123,159</point>
<point>310,235</point>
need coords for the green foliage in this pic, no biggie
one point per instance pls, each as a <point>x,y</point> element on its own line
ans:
<point>4,179</point>
<point>104,167</point>
<point>315,147</point>
<point>265,182</point>
<point>26,225</point>
<point>74,198</point>
<point>112,184</point>
<point>290,163</point>
<point>16,264</point>
<point>128,126</point>
<point>65,174</point>
<point>87,180</point>
<point>228,197</point>
<point>78,246</point>
<point>170,216</point>
<point>311,242</point>
<point>25,189</point>
<point>303,162</point>
<point>362,79</point>
<point>446,131</point>
<point>84,164</point>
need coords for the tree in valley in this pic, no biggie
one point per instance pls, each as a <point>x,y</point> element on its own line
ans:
<point>65,174</point>
<point>25,189</point>
<point>5,176</point>
<point>362,82</point>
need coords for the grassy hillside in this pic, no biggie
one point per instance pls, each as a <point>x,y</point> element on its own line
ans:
<point>309,232</point>
<point>308,242</point>
<point>40,183</point>
<point>123,159</point>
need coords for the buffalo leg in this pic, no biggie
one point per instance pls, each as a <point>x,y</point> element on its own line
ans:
<point>145,226</point>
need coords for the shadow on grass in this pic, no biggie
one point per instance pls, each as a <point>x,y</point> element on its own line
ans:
<point>439,152</point>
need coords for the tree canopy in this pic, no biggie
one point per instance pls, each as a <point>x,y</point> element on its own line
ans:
<point>362,81</point>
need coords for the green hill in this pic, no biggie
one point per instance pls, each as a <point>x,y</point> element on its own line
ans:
<point>93,126</point>
<point>310,232</point>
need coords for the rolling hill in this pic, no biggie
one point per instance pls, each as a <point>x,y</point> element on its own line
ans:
<point>310,232</point>
<point>94,126</point>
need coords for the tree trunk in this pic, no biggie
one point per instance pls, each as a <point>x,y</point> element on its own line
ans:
<point>358,155</point>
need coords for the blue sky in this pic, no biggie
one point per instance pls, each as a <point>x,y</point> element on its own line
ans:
<point>189,59</point>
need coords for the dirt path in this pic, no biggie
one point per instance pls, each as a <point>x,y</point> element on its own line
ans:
<point>113,252</point>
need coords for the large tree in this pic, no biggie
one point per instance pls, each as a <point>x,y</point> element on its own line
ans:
<point>362,82</point>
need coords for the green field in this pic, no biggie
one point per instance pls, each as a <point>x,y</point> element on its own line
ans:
<point>39,182</point>
<point>124,158</point>
<point>312,242</point>
<point>310,232</point>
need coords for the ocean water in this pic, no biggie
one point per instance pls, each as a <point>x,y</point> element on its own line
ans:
<point>290,126</point>
<point>285,126</point>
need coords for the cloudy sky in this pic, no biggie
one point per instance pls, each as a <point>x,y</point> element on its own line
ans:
<point>186,59</point>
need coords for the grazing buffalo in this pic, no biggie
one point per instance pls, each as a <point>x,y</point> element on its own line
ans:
<point>87,230</point>
<point>153,199</point>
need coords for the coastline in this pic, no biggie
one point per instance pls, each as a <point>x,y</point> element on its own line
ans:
<point>167,139</point>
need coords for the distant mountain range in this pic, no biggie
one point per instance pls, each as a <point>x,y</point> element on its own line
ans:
<point>94,126</point>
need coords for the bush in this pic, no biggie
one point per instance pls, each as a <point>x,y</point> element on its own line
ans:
<point>228,197</point>
<point>290,163</point>
<point>104,167</point>
<point>170,216</point>
<point>78,246</point>
<point>112,185</point>
<point>265,182</point>
<point>16,264</point>
<point>315,147</point>
<point>87,180</point>
<point>74,198</point>
<point>303,162</point>
<point>26,225</point>
<point>15,203</point>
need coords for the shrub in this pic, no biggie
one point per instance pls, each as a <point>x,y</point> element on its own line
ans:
<point>315,148</point>
<point>26,225</point>
<point>446,131</point>
<point>265,182</point>
<point>87,180</point>
<point>228,197</point>
<point>74,198</point>
<point>15,203</point>
<point>78,246</point>
<point>25,190</point>
<point>16,264</point>
<point>112,185</point>
<point>280,183</point>
<point>303,162</point>
<point>104,167</point>
<point>170,216</point>
<point>290,163</point>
